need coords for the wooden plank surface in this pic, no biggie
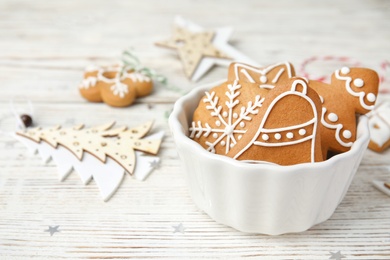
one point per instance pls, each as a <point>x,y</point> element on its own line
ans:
<point>44,46</point>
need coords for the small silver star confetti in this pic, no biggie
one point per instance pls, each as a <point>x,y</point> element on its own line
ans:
<point>179,228</point>
<point>336,255</point>
<point>154,164</point>
<point>52,230</point>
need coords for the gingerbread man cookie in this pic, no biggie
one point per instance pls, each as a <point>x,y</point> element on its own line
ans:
<point>352,92</point>
<point>286,129</point>
<point>379,124</point>
<point>117,86</point>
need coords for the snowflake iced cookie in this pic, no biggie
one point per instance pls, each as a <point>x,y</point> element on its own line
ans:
<point>223,116</point>
<point>265,78</point>
<point>286,129</point>
<point>117,86</point>
<point>352,92</point>
<point>379,124</point>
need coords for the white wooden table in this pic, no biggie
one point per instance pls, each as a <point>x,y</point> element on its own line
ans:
<point>44,46</point>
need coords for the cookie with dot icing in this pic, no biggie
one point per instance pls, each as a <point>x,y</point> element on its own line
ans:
<point>352,92</point>
<point>379,124</point>
<point>286,129</point>
<point>264,78</point>
<point>224,115</point>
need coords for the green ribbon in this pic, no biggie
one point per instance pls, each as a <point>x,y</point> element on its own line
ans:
<point>131,61</point>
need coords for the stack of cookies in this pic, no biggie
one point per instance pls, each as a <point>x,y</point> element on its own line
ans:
<point>271,115</point>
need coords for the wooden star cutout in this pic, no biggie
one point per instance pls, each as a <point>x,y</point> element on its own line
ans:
<point>200,49</point>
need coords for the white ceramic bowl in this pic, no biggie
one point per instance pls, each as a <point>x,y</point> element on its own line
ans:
<point>262,198</point>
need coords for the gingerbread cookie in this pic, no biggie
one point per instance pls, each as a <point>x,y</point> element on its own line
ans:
<point>142,83</point>
<point>223,115</point>
<point>352,92</point>
<point>88,87</point>
<point>379,124</point>
<point>115,89</point>
<point>286,129</point>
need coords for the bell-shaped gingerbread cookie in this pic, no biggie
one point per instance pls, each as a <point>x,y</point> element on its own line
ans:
<point>286,130</point>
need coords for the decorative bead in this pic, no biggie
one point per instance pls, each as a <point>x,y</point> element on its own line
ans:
<point>302,131</point>
<point>333,117</point>
<point>218,123</point>
<point>358,83</point>
<point>235,115</point>
<point>265,137</point>
<point>242,124</point>
<point>215,135</point>
<point>263,79</point>
<point>223,143</point>
<point>345,70</point>
<point>371,97</point>
<point>347,134</point>
<point>27,120</point>
<point>278,136</point>
<point>290,135</point>
<point>225,114</point>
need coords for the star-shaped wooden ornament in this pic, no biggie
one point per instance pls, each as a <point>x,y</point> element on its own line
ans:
<point>201,49</point>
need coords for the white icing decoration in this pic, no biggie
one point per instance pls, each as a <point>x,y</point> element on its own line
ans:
<point>345,70</point>
<point>251,80</point>
<point>337,127</point>
<point>227,127</point>
<point>235,115</point>
<point>333,117</point>
<point>265,137</point>
<point>278,136</point>
<point>88,82</point>
<point>371,97</point>
<point>358,83</point>
<point>379,124</point>
<point>239,137</point>
<point>302,131</point>
<point>290,135</point>
<point>313,122</point>
<point>215,135</point>
<point>231,145</point>
<point>360,94</point>
<point>119,89</point>
<point>137,77</point>
<point>224,114</point>
<point>263,79</point>
<point>264,72</point>
<point>266,86</point>
<point>242,124</point>
<point>321,99</point>
<point>277,76</point>
<point>347,134</point>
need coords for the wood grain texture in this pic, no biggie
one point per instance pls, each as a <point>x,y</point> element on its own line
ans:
<point>44,46</point>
